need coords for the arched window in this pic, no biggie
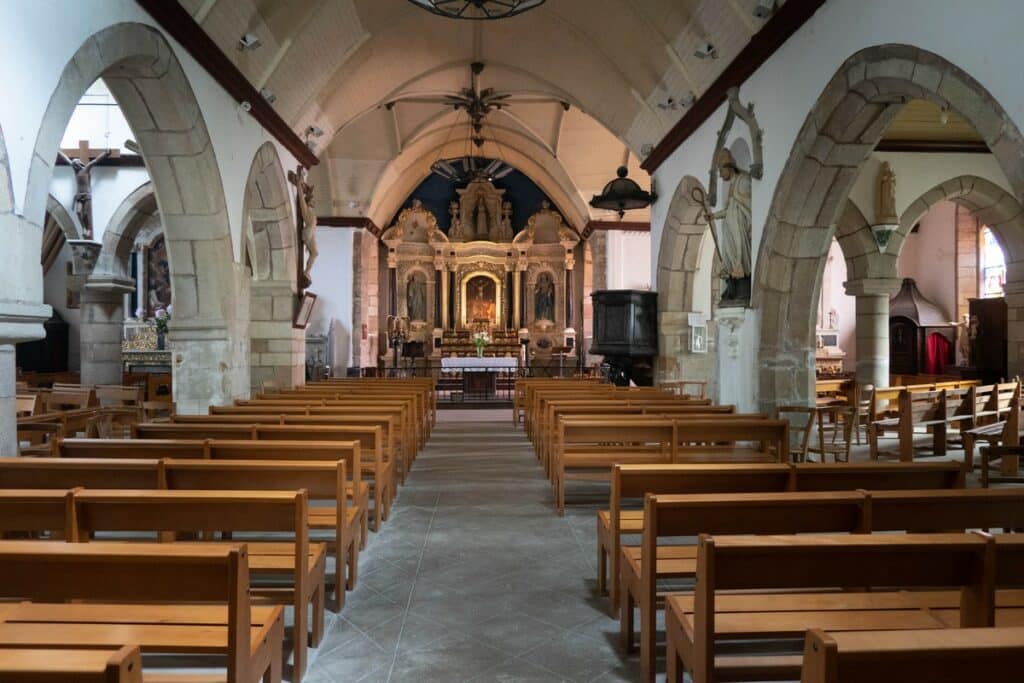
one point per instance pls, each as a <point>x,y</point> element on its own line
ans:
<point>991,265</point>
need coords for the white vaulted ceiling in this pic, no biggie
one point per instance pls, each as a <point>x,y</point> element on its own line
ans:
<point>337,63</point>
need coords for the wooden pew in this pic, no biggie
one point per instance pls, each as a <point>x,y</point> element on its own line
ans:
<point>323,481</point>
<point>936,562</point>
<point>370,439</point>
<point>34,511</point>
<point>51,473</point>
<point>98,510</point>
<point>637,481</point>
<point>583,452</point>
<point>1004,432</point>
<point>933,410</point>
<point>23,665</point>
<point>165,579</point>
<point>993,655</point>
<point>210,449</point>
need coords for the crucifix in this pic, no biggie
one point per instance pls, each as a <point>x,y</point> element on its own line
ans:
<point>81,160</point>
<point>306,205</point>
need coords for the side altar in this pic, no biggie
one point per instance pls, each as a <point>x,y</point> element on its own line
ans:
<point>482,276</point>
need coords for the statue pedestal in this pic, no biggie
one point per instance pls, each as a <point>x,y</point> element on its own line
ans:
<point>737,351</point>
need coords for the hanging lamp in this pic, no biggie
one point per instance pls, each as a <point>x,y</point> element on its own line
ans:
<point>623,194</point>
<point>477,9</point>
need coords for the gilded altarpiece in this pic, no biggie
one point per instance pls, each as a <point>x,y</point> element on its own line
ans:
<point>480,275</point>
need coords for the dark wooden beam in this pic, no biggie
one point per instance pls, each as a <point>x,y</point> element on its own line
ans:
<point>786,21</point>
<point>361,222</point>
<point>933,146</point>
<point>625,226</point>
<point>176,20</point>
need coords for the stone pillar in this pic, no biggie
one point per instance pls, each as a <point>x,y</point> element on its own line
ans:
<point>1014,295</point>
<point>277,350</point>
<point>8,411</point>
<point>872,308</point>
<point>102,329</point>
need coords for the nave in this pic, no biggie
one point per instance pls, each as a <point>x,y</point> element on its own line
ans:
<point>474,578</point>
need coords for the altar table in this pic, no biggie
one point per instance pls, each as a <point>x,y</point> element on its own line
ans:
<point>479,374</point>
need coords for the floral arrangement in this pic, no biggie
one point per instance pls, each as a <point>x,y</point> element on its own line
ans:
<point>161,317</point>
<point>480,340</point>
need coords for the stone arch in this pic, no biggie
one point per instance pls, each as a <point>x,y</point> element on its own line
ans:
<point>277,351</point>
<point>134,213</point>
<point>679,260</point>
<point>150,86</point>
<point>59,227</point>
<point>840,132</point>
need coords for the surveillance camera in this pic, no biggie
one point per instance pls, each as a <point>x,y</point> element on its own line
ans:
<point>705,51</point>
<point>268,95</point>
<point>314,131</point>
<point>250,41</point>
<point>245,106</point>
<point>764,9</point>
<point>687,99</point>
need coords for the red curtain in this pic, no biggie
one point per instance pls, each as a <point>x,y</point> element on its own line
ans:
<point>938,352</point>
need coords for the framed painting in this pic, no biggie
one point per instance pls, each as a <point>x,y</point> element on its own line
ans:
<point>305,311</point>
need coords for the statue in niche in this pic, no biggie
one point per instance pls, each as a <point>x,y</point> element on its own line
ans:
<point>455,232</point>
<point>544,298</point>
<point>82,202</point>
<point>885,211</point>
<point>479,210</point>
<point>416,297</point>
<point>504,233</point>
<point>732,239</point>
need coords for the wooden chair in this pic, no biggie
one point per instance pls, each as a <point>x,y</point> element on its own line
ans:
<point>27,404</point>
<point>801,423</point>
<point>25,665</point>
<point>993,655</point>
<point>157,410</point>
<point>835,427</point>
<point>1008,458</point>
<point>115,395</point>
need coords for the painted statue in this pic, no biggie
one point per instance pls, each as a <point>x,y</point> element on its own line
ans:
<point>885,211</point>
<point>455,231</point>
<point>82,202</point>
<point>416,297</point>
<point>733,235</point>
<point>504,233</point>
<point>544,298</point>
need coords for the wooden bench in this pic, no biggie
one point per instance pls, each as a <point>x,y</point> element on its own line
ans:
<point>933,410</point>
<point>22,665</point>
<point>1004,432</point>
<point>992,655</point>
<point>166,580</point>
<point>227,511</point>
<point>636,481</point>
<point>792,512</point>
<point>213,449</point>
<point>589,446</point>
<point>933,563</point>
<point>381,487</point>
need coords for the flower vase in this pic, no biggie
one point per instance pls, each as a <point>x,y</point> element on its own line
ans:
<point>479,352</point>
<point>161,341</point>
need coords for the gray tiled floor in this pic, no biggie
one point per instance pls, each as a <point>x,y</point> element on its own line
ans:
<point>474,577</point>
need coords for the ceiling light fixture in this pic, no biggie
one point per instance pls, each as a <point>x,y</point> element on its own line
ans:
<point>622,195</point>
<point>268,95</point>
<point>764,9</point>
<point>250,41</point>
<point>477,9</point>
<point>706,51</point>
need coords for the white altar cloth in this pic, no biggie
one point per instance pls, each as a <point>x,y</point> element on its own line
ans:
<point>476,364</point>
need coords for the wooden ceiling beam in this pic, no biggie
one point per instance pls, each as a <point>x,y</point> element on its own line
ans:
<point>180,25</point>
<point>786,21</point>
<point>360,222</point>
<point>933,146</point>
<point>625,226</point>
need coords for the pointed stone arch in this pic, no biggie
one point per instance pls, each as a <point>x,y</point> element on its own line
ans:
<point>208,334</point>
<point>683,241</point>
<point>277,350</point>
<point>839,134</point>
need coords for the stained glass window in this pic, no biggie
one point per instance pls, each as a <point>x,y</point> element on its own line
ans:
<point>992,265</point>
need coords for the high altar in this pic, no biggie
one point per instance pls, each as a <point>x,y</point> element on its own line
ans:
<point>482,276</point>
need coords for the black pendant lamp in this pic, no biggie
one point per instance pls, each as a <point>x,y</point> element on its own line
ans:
<point>477,9</point>
<point>622,195</point>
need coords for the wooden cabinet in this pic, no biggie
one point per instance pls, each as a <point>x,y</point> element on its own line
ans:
<point>988,347</point>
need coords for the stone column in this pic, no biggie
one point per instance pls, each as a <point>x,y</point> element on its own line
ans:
<point>1014,295</point>
<point>102,329</point>
<point>8,411</point>
<point>872,308</point>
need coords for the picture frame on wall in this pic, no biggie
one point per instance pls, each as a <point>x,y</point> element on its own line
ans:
<point>699,339</point>
<point>304,312</point>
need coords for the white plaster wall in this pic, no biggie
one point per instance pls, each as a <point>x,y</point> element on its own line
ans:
<point>786,87</point>
<point>110,186</point>
<point>833,295</point>
<point>919,173</point>
<point>332,283</point>
<point>628,264</point>
<point>929,256</point>
<point>31,68</point>
<point>55,287</point>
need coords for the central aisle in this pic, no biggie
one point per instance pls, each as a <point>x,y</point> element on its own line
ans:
<point>474,577</point>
